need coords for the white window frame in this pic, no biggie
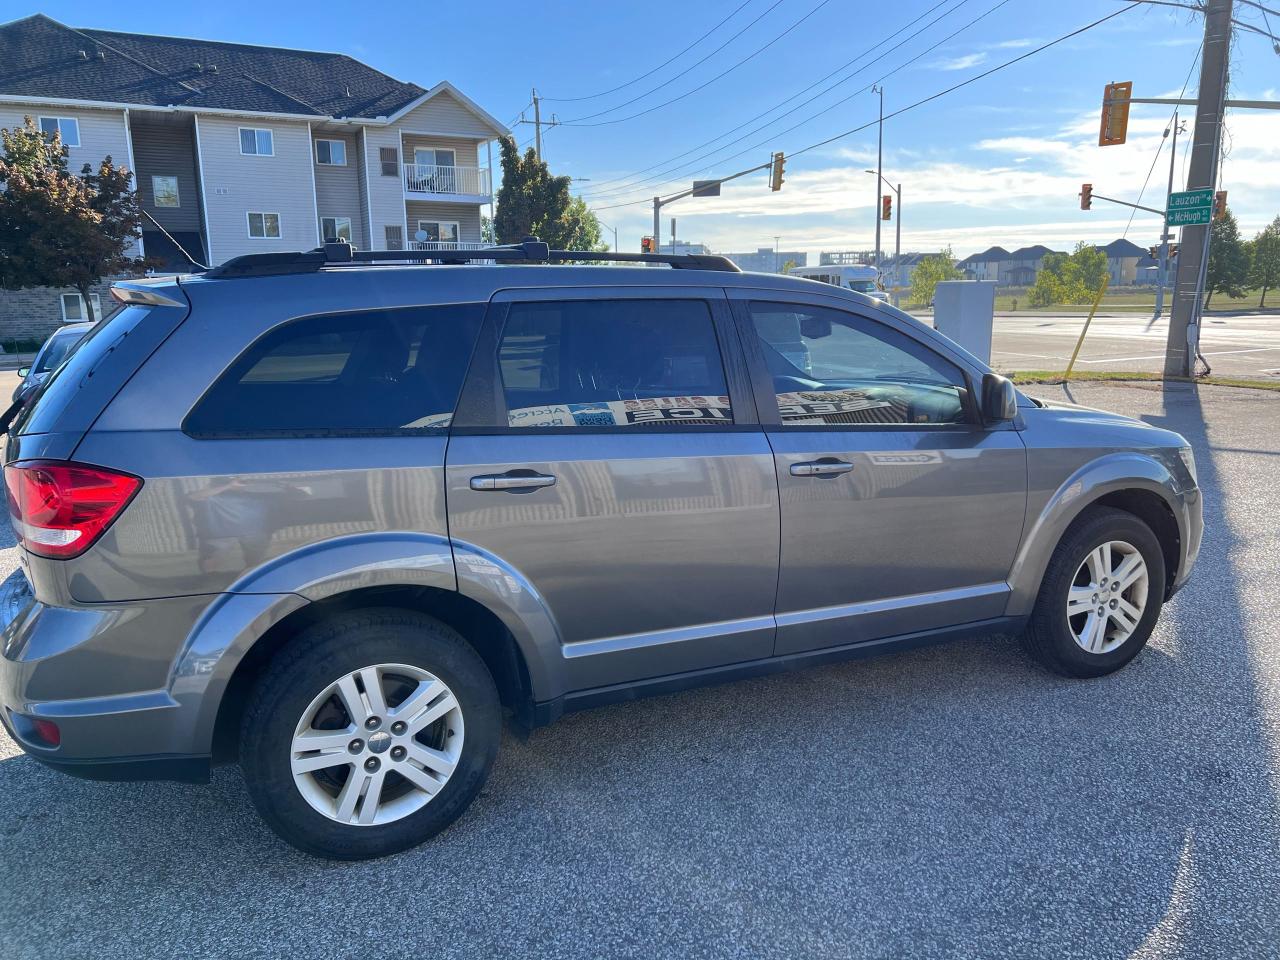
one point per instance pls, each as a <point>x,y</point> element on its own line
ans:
<point>435,159</point>
<point>250,214</point>
<point>60,122</point>
<point>457,230</point>
<point>342,144</point>
<point>337,226</point>
<point>155,194</point>
<point>79,300</point>
<point>257,141</point>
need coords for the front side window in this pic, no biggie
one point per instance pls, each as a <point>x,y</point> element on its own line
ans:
<point>377,371</point>
<point>336,228</point>
<point>73,307</point>
<point>164,191</point>
<point>612,363</point>
<point>832,367</point>
<point>331,153</point>
<point>257,142</point>
<point>264,226</point>
<point>69,127</point>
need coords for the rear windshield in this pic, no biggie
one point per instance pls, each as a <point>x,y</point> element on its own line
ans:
<point>56,350</point>
<point>42,411</point>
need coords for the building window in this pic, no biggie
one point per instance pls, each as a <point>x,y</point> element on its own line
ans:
<point>264,226</point>
<point>427,156</point>
<point>164,191</point>
<point>69,127</point>
<point>73,307</point>
<point>257,143</point>
<point>336,228</point>
<point>394,236</point>
<point>437,231</point>
<point>331,153</point>
<point>389,157</point>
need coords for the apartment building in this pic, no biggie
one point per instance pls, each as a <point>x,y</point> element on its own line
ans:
<point>245,149</point>
<point>768,260</point>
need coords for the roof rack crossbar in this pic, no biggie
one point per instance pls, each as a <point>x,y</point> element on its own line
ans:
<point>530,250</point>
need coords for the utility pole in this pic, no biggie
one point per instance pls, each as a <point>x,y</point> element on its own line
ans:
<point>673,236</point>
<point>897,246</point>
<point>1163,272</point>
<point>879,169</point>
<point>1206,142</point>
<point>537,125</point>
<point>775,253</point>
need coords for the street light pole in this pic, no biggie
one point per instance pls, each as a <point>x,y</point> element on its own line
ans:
<point>775,253</point>
<point>897,241</point>
<point>879,168</point>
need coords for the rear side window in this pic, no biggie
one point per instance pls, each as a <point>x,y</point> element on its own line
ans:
<point>612,363</point>
<point>377,371</point>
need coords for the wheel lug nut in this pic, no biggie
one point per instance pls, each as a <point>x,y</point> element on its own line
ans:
<point>373,723</point>
<point>399,727</point>
<point>356,745</point>
<point>1115,585</point>
<point>371,764</point>
<point>398,753</point>
<point>1114,604</point>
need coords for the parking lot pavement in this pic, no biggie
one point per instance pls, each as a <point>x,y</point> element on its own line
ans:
<point>954,801</point>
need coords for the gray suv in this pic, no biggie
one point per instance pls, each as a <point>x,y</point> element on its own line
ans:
<point>330,516</point>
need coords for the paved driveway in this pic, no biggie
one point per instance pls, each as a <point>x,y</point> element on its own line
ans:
<point>956,801</point>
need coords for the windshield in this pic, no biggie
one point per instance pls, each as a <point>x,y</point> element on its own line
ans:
<point>56,350</point>
<point>863,286</point>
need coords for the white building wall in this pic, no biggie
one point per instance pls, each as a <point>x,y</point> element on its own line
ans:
<point>443,114</point>
<point>385,194</point>
<point>235,184</point>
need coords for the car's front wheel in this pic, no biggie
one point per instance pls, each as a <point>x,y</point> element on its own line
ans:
<point>369,733</point>
<point>1100,597</point>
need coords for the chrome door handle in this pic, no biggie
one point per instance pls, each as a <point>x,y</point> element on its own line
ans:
<point>507,481</point>
<point>820,468</point>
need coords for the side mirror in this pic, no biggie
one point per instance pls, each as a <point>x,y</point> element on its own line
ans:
<point>23,371</point>
<point>999,399</point>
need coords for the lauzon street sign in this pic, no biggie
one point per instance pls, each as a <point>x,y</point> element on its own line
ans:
<point>1189,208</point>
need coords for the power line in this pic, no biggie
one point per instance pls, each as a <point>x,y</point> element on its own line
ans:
<point>667,63</point>
<point>941,93</point>
<point>600,188</point>
<point>845,99</point>
<point>702,86</point>
<point>670,80</point>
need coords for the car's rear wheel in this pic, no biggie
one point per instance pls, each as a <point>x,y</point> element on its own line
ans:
<point>1101,596</point>
<point>369,733</point>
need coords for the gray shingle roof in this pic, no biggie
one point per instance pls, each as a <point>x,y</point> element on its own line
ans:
<point>40,57</point>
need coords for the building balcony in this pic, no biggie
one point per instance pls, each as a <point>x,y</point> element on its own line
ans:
<point>428,181</point>
<point>447,245</point>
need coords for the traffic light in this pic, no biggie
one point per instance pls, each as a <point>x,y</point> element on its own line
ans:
<point>1173,251</point>
<point>1086,196</point>
<point>1219,204</point>
<point>647,245</point>
<point>775,171</point>
<point>1154,252</point>
<point>1115,113</point>
<point>886,207</point>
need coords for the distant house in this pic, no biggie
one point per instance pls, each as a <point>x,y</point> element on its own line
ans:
<point>1147,270</point>
<point>1023,266</point>
<point>1123,257</point>
<point>899,269</point>
<point>985,265</point>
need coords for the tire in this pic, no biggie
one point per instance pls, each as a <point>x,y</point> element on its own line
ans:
<point>305,692</point>
<point>1051,636</point>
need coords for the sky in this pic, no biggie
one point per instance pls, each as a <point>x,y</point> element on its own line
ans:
<point>999,161</point>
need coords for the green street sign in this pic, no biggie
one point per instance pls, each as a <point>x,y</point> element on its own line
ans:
<point>1192,217</point>
<point>1189,208</point>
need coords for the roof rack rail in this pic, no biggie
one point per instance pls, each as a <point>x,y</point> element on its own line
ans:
<point>531,250</point>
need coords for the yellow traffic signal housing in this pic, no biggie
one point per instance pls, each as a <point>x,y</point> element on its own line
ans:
<point>1220,205</point>
<point>775,171</point>
<point>1086,196</point>
<point>1115,113</point>
<point>886,207</point>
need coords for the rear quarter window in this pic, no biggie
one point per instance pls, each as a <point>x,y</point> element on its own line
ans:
<point>368,372</point>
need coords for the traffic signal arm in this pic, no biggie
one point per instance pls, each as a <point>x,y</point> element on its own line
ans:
<point>1087,196</point>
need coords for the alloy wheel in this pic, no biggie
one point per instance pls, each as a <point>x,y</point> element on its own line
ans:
<point>1107,597</point>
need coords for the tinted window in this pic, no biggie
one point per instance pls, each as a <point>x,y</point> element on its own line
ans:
<point>612,363</point>
<point>830,367</point>
<point>56,350</point>
<point>376,371</point>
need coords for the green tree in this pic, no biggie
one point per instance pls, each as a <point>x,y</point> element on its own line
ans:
<point>1069,278</point>
<point>929,272</point>
<point>58,229</point>
<point>586,228</point>
<point>789,266</point>
<point>1264,269</point>
<point>532,202</point>
<point>1228,270</point>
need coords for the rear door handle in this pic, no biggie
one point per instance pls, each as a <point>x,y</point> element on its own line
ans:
<point>820,468</point>
<point>508,481</point>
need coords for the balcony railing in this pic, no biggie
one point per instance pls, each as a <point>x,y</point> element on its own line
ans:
<point>446,245</point>
<point>433,178</point>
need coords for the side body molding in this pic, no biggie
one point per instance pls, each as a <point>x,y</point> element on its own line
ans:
<point>236,620</point>
<point>1091,481</point>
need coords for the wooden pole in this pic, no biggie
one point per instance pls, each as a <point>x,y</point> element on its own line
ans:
<point>1092,310</point>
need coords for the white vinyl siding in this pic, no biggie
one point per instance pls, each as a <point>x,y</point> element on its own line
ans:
<point>264,226</point>
<point>257,142</point>
<point>69,127</point>
<point>385,194</point>
<point>102,133</point>
<point>233,184</point>
<point>340,189</point>
<point>446,115</point>
<point>331,153</point>
<point>465,215</point>
<point>73,307</point>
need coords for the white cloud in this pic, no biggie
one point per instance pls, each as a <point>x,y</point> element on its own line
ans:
<point>1018,44</point>
<point>958,63</point>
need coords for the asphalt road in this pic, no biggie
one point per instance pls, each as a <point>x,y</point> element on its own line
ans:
<point>951,802</point>
<point>1247,345</point>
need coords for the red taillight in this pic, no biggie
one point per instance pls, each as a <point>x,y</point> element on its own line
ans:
<point>60,508</point>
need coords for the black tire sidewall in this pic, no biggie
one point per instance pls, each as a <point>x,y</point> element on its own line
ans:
<point>320,655</point>
<point>1057,647</point>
